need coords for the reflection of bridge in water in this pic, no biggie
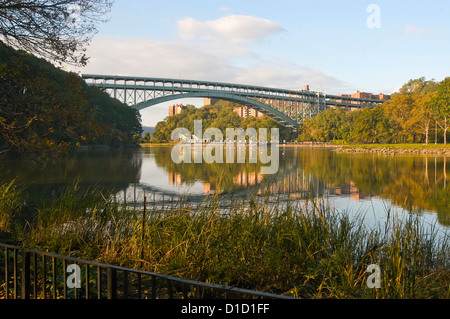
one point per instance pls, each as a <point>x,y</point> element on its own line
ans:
<point>291,184</point>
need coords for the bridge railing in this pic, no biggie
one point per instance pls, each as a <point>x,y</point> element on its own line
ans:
<point>134,89</point>
<point>32,274</point>
<point>288,107</point>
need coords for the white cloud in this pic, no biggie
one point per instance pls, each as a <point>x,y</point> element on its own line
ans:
<point>171,59</point>
<point>288,75</point>
<point>233,28</point>
<point>154,58</point>
<point>217,50</point>
<point>413,30</point>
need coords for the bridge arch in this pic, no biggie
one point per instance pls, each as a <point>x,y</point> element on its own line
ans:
<point>254,104</point>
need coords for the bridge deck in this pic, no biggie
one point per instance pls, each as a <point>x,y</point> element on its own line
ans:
<point>288,107</point>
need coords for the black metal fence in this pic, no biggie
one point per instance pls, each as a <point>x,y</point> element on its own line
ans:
<point>32,274</point>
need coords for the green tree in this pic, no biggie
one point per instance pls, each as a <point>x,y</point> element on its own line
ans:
<point>371,125</point>
<point>399,110</point>
<point>406,117</point>
<point>423,114</point>
<point>146,138</point>
<point>221,116</point>
<point>440,103</point>
<point>327,126</point>
<point>346,129</point>
<point>46,112</point>
<point>418,86</point>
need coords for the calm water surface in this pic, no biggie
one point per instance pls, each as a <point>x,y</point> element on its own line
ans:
<point>366,183</point>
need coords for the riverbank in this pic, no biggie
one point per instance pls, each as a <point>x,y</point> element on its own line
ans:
<point>290,144</point>
<point>157,144</point>
<point>381,149</point>
<point>106,147</point>
<point>396,149</point>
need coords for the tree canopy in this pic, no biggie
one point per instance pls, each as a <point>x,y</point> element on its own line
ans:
<point>440,104</point>
<point>52,29</point>
<point>408,117</point>
<point>221,115</point>
<point>46,112</point>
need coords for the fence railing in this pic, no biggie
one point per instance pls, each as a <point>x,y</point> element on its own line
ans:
<point>32,274</point>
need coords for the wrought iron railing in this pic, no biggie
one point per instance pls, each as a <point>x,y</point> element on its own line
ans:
<point>32,274</point>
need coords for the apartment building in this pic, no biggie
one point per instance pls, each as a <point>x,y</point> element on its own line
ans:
<point>175,109</point>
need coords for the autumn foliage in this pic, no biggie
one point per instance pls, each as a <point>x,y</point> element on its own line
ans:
<point>46,112</point>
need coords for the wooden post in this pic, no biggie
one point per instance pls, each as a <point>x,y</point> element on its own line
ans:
<point>25,275</point>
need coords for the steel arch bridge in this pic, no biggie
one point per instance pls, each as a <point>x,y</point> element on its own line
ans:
<point>287,107</point>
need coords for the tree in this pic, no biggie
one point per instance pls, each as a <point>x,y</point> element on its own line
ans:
<point>423,114</point>
<point>146,138</point>
<point>45,112</point>
<point>52,29</point>
<point>326,126</point>
<point>399,109</point>
<point>419,86</point>
<point>410,111</point>
<point>441,105</point>
<point>371,125</point>
<point>406,117</point>
<point>220,116</point>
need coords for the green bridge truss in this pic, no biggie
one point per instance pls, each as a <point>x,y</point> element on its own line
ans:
<point>287,107</point>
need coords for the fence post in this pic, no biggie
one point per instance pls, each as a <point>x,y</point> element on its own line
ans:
<point>25,275</point>
<point>6,274</point>
<point>112,283</point>
<point>144,217</point>
<point>15,273</point>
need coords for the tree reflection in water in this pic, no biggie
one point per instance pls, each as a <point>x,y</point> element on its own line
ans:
<point>416,183</point>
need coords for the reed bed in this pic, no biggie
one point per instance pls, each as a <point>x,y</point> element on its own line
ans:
<point>298,248</point>
<point>11,206</point>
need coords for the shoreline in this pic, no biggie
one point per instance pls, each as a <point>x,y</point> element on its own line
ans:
<point>380,149</point>
<point>300,145</point>
<point>393,149</point>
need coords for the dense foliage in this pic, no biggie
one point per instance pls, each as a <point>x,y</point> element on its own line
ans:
<point>221,115</point>
<point>418,112</point>
<point>46,112</point>
<point>409,117</point>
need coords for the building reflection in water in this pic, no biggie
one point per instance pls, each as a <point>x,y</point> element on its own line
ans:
<point>297,186</point>
<point>414,183</point>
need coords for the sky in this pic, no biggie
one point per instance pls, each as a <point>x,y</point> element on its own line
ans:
<point>335,46</point>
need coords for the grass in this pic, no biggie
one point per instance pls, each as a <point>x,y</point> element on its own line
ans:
<point>299,249</point>
<point>11,206</point>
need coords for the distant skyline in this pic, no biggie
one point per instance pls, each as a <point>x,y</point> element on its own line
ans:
<point>334,46</point>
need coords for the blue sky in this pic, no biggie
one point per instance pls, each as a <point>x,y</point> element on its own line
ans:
<point>327,44</point>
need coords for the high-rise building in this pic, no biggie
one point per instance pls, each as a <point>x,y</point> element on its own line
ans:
<point>175,109</point>
<point>363,95</point>
<point>210,101</point>
<point>245,112</point>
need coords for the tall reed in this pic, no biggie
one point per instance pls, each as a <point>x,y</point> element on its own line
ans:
<point>11,205</point>
<point>299,248</point>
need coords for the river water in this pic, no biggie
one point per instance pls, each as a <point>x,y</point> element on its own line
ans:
<point>367,183</point>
